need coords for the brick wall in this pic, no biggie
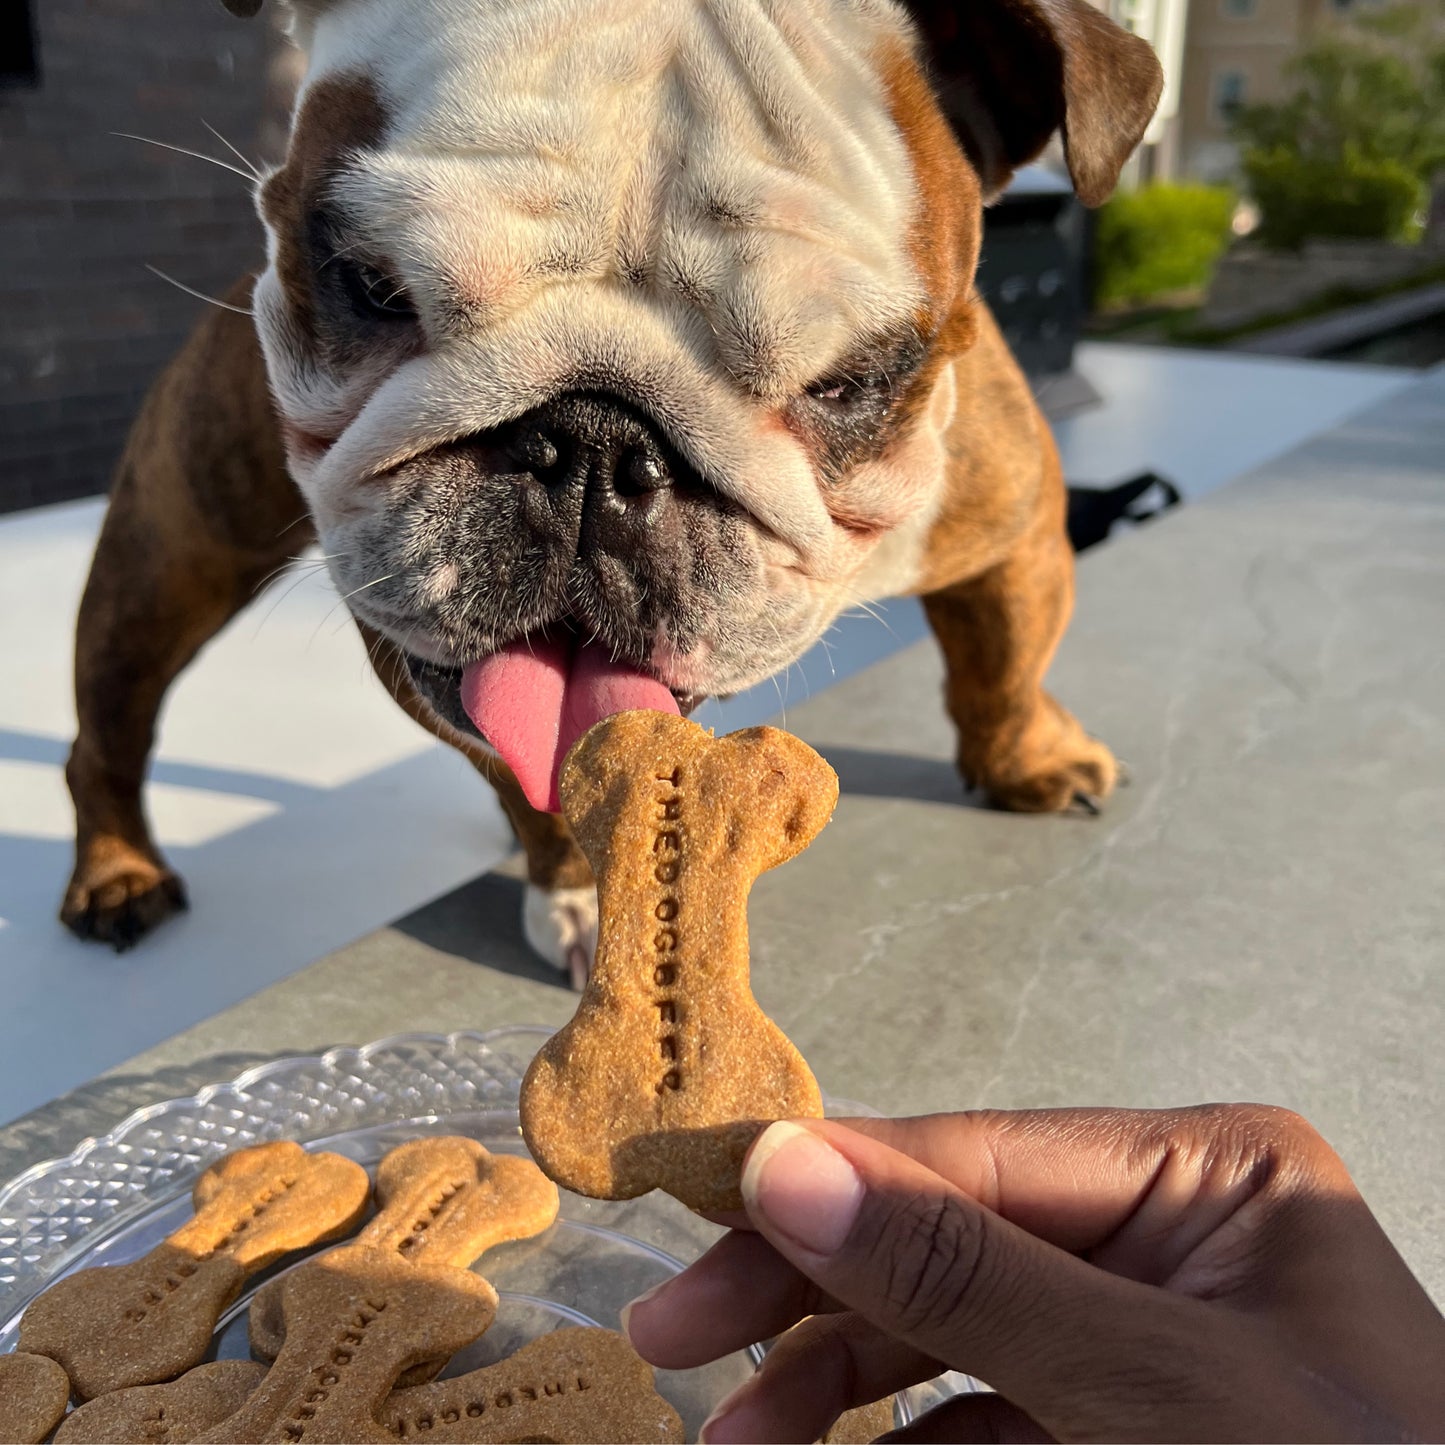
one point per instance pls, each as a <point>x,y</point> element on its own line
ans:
<point>84,327</point>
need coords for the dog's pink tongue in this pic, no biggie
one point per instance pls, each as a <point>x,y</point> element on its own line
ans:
<point>535,698</point>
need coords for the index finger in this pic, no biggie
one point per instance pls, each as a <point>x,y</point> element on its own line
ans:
<point>1132,1189</point>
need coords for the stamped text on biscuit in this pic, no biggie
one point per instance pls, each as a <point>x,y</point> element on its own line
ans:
<point>326,1376</point>
<point>480,1401</point>
<point>667,911</point>
<point>156,1291</point>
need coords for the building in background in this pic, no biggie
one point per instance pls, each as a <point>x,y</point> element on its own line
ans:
<point>83,212</point>
<point>1217,55</point>
<point>1165,25</point>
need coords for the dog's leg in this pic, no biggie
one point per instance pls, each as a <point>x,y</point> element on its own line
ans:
<point>998,632</point>
<point>559,911</point>
<point>201,512</point>
<point>157,593</point>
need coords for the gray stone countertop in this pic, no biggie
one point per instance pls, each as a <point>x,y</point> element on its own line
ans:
<point>1259,916</point>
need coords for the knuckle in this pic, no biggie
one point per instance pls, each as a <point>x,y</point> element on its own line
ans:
<point>1264,1121</point>
<point>1274,1147</point>
<point>930,1257</point>
<point>1274,1132</point>
<point>807,1300</point>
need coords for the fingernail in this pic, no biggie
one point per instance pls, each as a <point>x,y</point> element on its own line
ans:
<point>803,1187</point>
<point>711,1430</point>
<point>641,1299</point>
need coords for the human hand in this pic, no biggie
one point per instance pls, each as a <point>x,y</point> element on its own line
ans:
<point>1192,1274</point>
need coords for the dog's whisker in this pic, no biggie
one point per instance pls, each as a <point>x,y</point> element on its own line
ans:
<point>311,641</point>
<point>788,679</point>
<point>782,700</point>
<point>375,582</point>
<point>183,151</point>
<point>270,577</point>
<point>781,690</point>
<point>369,652</point>
<point>294,522</point>
<point>374,653</point>
<point>300,559</point>
<point>304,574</point>
<point>346,617</point>
<point>338,254</point>
<point>251,167</point>
<point>276,572</point>
<point>868,610</point>
<point>199,295</point>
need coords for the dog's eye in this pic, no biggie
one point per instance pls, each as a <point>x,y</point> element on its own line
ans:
<point>847,390</point>
<point>376,292</point>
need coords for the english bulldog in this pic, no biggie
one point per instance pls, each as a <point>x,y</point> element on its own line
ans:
<point>610,349</point>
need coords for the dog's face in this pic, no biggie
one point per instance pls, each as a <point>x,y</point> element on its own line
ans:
<point>624,325</point>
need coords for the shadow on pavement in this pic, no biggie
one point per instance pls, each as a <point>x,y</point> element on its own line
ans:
<point>869,774</point>
<point>481,922</point>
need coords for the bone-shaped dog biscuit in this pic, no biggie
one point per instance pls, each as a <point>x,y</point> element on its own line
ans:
<point>570,1385</point>
<point>669,1068</point>
<point>139,1323</point>
<point>169,1414</point>
<point>860,1425</point>
<point>356,1318</point>
<point>445,1200</point>
<point>34,1392</point>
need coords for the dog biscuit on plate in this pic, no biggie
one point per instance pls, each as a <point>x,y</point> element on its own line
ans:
<point>443,1199</point>
<point>137,1324</point>
<point>34,1392</point>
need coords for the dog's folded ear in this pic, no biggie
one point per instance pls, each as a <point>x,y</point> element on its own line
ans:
<point>1011,72</point>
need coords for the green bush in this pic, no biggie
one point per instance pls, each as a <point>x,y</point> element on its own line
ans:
<point>1303,196</point>
<point>1351,148</point>
<point>1160,239</point>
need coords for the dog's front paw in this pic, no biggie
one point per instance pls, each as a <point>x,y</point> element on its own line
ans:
<point>1053,767</point>
<point>117,895</point>
<point>561,926</point>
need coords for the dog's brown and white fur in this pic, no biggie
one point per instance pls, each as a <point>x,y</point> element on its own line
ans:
<point>747,223</point>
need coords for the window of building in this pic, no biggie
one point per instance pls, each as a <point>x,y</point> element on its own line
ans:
<point>19,63</point>
<point>1229,86</point>
<point>1239,9</point>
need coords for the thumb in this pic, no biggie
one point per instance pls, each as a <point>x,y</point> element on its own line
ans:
<point>1082,1351</point>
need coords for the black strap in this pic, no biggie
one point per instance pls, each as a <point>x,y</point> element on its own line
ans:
<point>1093,511</point>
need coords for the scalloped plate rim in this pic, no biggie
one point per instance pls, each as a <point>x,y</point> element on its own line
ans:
<point>242,1082</point>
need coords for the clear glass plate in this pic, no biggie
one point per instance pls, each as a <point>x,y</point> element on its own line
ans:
<point>116,1197</point>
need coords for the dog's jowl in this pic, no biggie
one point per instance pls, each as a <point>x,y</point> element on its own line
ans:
<point>612,348</point>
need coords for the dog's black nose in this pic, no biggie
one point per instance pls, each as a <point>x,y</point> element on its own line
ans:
<point>611,449</point>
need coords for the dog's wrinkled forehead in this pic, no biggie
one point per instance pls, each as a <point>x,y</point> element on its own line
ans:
<point>735,163</point>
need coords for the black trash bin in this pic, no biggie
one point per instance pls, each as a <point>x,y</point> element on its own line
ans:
<point>1033,273</point>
